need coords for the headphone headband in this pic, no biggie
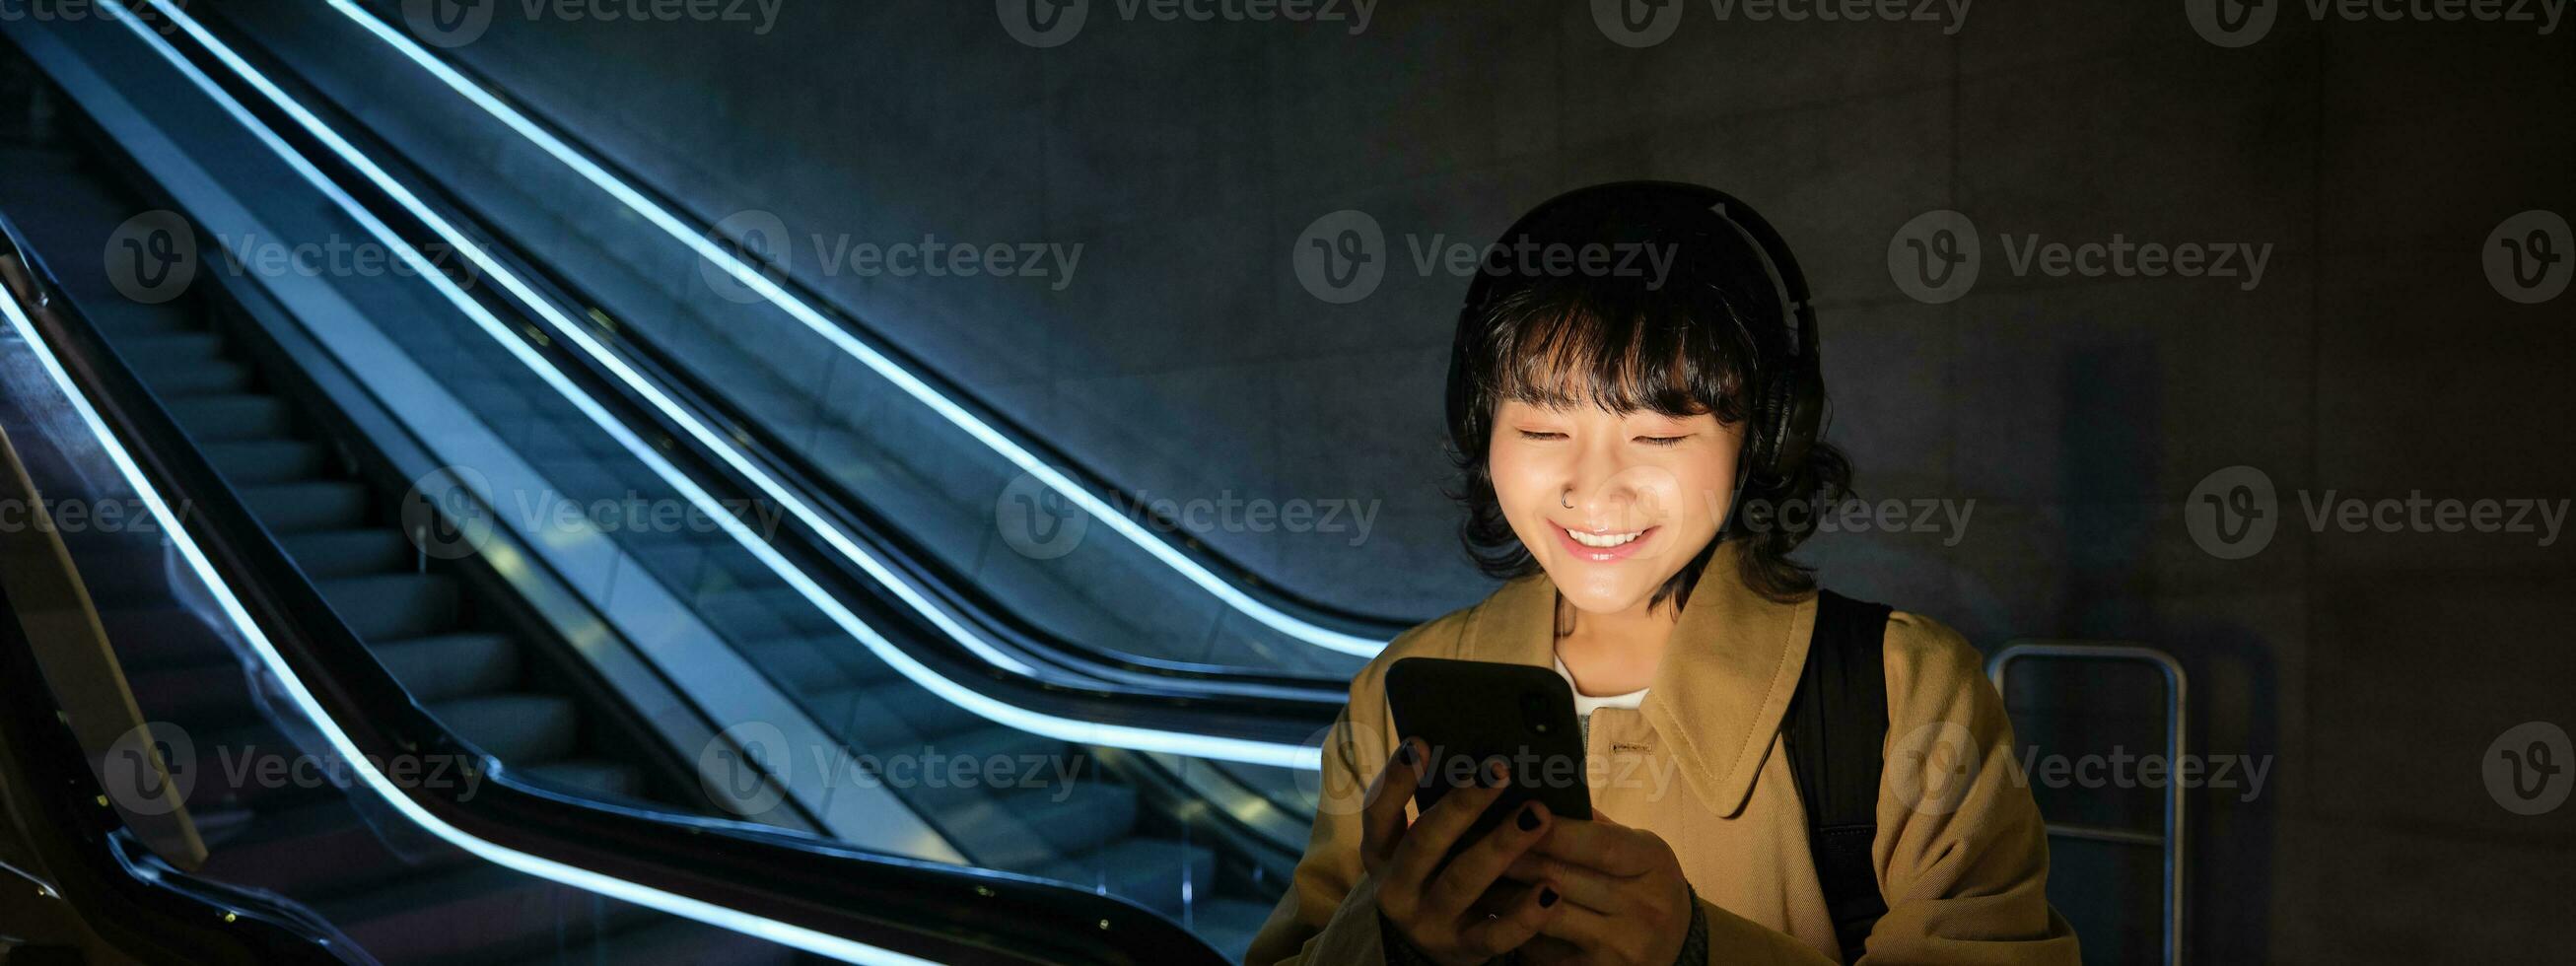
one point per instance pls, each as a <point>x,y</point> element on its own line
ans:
<point>1790,396</point>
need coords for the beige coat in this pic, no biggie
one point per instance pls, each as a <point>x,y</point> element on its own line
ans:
<point>1961,853</point>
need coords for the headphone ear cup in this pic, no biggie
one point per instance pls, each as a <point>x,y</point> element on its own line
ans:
<point>1792,408</point>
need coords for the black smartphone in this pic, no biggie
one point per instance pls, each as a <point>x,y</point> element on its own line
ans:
<point>1472,712</point>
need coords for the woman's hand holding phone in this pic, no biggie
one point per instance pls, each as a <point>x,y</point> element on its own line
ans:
<point>1453,915</point>
<point>1626,899</point>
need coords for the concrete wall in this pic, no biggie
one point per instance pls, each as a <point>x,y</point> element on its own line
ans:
<point>2373,359</point>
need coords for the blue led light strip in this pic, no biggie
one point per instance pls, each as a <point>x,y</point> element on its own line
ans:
<point>893,372</point>
<point>1068,729</point>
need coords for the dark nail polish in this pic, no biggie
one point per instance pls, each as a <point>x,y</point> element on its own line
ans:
<point>1529,818</point>
<point>1546,898</point>
<point>1404,754</point>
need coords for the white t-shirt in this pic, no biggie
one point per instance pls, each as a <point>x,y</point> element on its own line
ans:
<point>1584,703</point>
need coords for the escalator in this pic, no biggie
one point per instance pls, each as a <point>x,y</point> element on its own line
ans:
<point>448,639</point>
<point>478,662</point>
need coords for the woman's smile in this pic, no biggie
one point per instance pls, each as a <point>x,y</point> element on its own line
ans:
<point>1603,546</point>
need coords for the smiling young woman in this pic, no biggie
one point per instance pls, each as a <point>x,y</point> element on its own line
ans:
<point>1609,425</point>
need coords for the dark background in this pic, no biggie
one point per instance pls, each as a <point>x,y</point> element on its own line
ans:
<point>2375,359</point>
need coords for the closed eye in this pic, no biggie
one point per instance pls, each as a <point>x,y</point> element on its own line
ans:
<point>1540,434</point>
<point>1661,440</point>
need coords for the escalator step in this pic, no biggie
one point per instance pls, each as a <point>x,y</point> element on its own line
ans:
<point>235,416</point>
<point>326,554</point>
<point>1037,826</point>
<point>594,776</point>
<point>1150,872</point>
<point>451,665</point>
<point>157,356</point>
<point>269,461</point>
<point>524,730</point>
<point>394,606</point>
<point>137,319</point>
<point>985,744</point>
<point>314,505</point>
<point>200,377</point>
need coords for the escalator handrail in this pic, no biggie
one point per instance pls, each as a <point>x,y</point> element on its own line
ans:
<point>1243,577</point>
<point>796,882</point>
<point>1284,720</point>
<point>129,897</point>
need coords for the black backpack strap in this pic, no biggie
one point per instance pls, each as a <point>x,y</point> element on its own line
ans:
<point>1836,730</point>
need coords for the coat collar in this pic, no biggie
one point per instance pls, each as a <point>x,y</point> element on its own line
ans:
<point>1723,686</point>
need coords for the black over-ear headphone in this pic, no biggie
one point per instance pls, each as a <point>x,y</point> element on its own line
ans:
<point>1703,223</point>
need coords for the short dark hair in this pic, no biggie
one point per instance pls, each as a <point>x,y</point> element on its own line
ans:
<point>1690,343</point>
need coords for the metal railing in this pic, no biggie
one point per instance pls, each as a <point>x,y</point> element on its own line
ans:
<point>2170,839</point>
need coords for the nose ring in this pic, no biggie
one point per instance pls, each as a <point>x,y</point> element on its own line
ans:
<point>1566,499</point>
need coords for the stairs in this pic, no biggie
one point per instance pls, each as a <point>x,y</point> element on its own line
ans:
<point>270,814</point>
